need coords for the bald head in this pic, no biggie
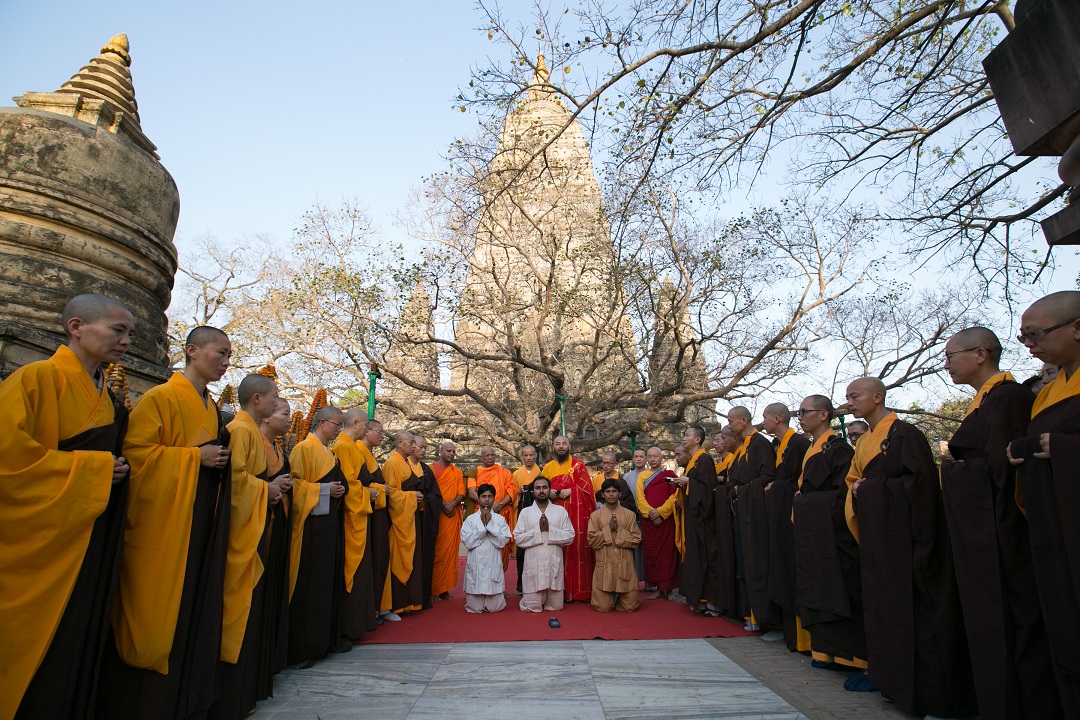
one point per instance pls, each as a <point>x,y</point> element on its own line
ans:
<point>978,337</point>
<point>1061,306</point>
<point>740,412</point>
<point>255,384</point>
<point>779,411</point>
<point>869,384</point>
<point>330,413</point>
<point>355,416</point>
<point>202,336</point>
<point>90,309</point>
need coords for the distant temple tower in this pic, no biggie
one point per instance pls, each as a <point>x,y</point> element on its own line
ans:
<point>85,206</point>
<point>541,278</point>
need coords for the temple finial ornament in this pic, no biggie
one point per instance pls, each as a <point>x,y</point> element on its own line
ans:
<point>118,45</point>
<point>542,73</point>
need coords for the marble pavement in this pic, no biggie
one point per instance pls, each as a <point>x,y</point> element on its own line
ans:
<point>583,680</point>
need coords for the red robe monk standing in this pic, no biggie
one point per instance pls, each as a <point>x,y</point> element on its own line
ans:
<point>167,622</point>
<point>63,488</point>
<point>452,487</point>
<point>571,488</point>
<point>494,474</point>
<point>1047,460</point>
<point>656,497</point>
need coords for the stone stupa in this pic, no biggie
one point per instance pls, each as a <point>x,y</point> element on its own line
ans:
<point>85,206</point>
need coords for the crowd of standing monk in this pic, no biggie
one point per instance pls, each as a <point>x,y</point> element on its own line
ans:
<point>168,562</point>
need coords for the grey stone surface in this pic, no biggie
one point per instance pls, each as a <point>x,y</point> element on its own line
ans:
<point>586,680</point>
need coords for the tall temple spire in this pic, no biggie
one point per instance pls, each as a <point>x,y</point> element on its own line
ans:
<point>107,77</point>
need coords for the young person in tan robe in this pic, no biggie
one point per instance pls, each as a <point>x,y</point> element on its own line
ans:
<point>613,535</point>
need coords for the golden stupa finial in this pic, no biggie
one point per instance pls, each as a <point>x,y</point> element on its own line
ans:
<point>118,45</point>
<point>542,73</point>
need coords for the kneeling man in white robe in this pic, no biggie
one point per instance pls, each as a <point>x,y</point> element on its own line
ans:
<point>544,530</point>
<point>484,534</point>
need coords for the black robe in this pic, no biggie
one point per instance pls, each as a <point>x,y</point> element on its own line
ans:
<point>755,470</point>
<point>1010,653</point>
<point>314,611</point>
<point>626,495</point>
<point>828,577</point>
<point>377,551</point>
<point>65,683</point>
<point>191,686</point>
<point>781,582</point>
<point>729,588</point>
<point>1051,496</point>
<point>417,591</point>
<point>915,639</point>
<point>241,681</point>
<point>700,572</point>
<point>274,630</point>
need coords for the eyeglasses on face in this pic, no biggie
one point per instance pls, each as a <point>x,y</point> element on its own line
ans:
<point>807,411</point>
<point>335,424</point>
<point>949,355</point>
<point>1034,336</point>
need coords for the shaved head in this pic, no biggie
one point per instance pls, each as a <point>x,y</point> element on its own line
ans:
<point>89,308</point>
<point>330,413</point>
<point>869,384</point>
<point>780,410</point>
<point>354,415</point>
<point>978,337</point>
<point>202,336</point>
<point>609,456</point>
<point>1061,306</point>
<point>820,402</point>
<point>254,384</point>
<point>739,411</point>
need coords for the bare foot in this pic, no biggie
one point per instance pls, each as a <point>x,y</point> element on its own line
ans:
<point>654,594</point>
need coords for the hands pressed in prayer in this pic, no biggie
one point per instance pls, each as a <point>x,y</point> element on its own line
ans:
<point>120,469</point>
<point>214,456</point>
<point>336,489</point>
<point>543,523</point>
<point>614,522</point>
<point>485,515</point>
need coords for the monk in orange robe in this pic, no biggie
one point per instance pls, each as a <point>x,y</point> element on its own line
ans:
<point>275,627</point>
<point>316,558</point>
<point>491,473</point>
<point>452,487</point>
<point>359,608</point>
<point>168,618</point>
<point>523,478</point>
<point>243,666</point>
<point>63,486</point>
<point>402,507</point>
<point>571,488</point>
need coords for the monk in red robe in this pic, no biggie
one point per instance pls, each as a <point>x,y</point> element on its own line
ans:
<point>571,488</point>
<point>452,488</point>
<point>63,488</point>
<point>656,497</point>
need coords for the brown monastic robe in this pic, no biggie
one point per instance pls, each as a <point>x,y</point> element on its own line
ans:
<point>700,571</point>
<point>781,580</point>
<point>751,473</point>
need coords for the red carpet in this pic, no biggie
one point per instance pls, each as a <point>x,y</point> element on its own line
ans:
<point>448,622</point>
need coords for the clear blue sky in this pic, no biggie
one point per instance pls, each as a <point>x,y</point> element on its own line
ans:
<point>260,108</point>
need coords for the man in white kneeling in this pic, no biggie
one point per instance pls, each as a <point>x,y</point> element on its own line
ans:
<point>543,529</point>
<point>485,534</point>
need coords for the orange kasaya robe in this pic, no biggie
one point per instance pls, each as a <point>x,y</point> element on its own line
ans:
<point>503,481</point>
<point>166,428</point>
<point>49,502</point>
<point>402,507</point>
<point>357,505</point>
<point>451,485</point>
<point>247,523</point>
<point>309,462</point>
<point>868,448</point>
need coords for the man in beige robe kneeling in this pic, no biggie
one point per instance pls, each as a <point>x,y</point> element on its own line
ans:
<point>613,535</point>
<point>544,529</point>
